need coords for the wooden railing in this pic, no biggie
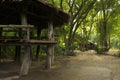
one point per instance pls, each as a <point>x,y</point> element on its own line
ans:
<point>17,40</point>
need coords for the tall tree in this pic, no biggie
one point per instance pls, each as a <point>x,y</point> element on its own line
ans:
<point>78,10</point>
<point>106,10</point>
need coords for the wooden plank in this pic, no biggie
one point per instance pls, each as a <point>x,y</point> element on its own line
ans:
<point>24,42</point>
<point>12,40</point>
<point>17,26</point>
<point>43,41</point>
<point>32,41</point>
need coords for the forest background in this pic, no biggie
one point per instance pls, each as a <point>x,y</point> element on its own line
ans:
<point>93,24</point>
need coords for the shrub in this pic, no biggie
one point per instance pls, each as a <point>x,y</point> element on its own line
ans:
<point>59,50</point>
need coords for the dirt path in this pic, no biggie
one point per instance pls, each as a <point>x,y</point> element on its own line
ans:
<point>85,66</point>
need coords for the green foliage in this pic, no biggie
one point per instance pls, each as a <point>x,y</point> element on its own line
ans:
<point>102,10</point>
<point>73,47</point>
<point>59,50</point>
<point>42,52</point>
<point>71,53</point>
<point>86,24</point>
<point>7,51</point>
<point>100,50</point>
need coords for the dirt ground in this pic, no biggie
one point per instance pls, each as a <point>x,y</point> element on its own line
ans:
<point>85,66</point>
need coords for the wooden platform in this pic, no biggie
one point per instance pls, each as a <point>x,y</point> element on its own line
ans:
<point>26,42</point>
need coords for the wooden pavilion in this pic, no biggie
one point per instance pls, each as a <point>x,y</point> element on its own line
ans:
<point>21,16</point>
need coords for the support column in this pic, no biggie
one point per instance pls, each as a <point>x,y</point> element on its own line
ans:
<point>26,35</point>
<point>0,45</point>
<point>38,46</point>
<point>17,54</point>
<point>18,49</point>
<point>50,52</point>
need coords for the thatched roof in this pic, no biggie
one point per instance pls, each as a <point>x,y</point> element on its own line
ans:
<point>39,13</point>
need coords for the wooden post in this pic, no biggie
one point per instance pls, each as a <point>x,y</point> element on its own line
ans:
<point>52,39</point>
<point>17,54</point>
<point>0,46</point>
<point>18,49</point>
<point>26,61</point>
<point>50,52</point>
<point>38,38</point>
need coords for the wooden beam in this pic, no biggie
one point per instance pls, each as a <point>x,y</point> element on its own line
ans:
<point>17,26</point>
<point>23,42</point>
<point>27,60</point>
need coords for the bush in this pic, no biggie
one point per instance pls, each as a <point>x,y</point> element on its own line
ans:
<point>71,53</point>
<point>59,50</point>
<point>100,50</point>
